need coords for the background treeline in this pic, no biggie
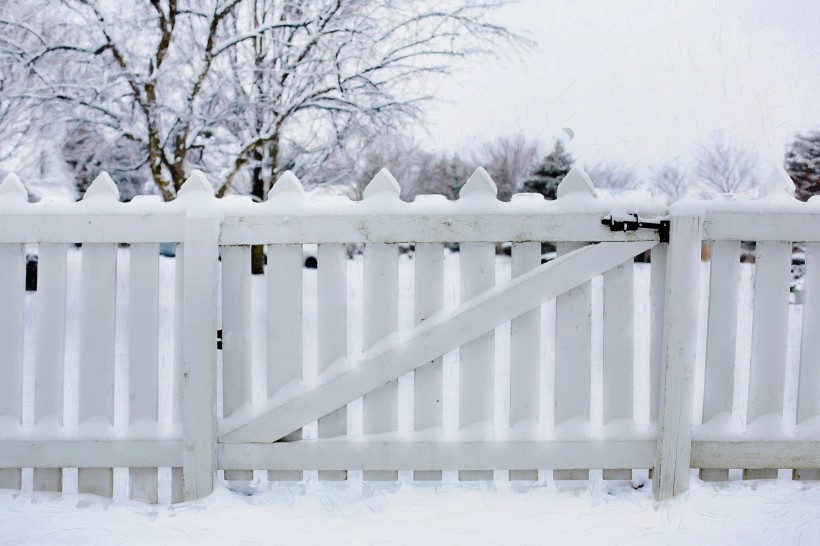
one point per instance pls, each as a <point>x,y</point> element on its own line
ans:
<point>521,163</point>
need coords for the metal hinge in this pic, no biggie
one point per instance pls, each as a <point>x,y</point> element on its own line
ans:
<point>633,225</point>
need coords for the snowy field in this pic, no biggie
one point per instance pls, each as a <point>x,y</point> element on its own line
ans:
<point>312,512</point>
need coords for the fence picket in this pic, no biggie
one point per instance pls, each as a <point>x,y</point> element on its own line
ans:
<point>808,393</point>
<point>428,391</point>
<point>98,293</point>
<point>618,350</point>
<point>525,355</point>
<point>808,400</point>
<point>284,328</point>
<point>722,329</point>
<point>573,357</point>
<point>50,335</point>
<point>179,303</point>
<point>12,319</point>
<point>618,341</point>
<point>656,316</point>
<point>236,335</point>
<point>380,409</point>
<point>721,338</point>
<point>770,323</point>
<point>177,489</point>
<point>50,349</point>
<point>476,358</point>
<point>12,293</point>
<point>12,324</point>
<point>769,329</point>
<point>332,333</point>
<point>97,330</point>
<point>199,322</point>
<point>143,355</point>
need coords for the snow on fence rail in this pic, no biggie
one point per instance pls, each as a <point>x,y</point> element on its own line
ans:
<point>447,365</point>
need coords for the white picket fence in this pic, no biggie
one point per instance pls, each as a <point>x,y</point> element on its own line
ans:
<point>111,381</point>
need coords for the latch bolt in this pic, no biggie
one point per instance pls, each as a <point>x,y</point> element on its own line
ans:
<point>634,225</point>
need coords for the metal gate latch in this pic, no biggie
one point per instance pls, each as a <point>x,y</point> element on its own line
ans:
<point>634,225</point>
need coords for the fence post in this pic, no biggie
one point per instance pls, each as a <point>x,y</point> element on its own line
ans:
<point>671,473</point>
<point>199,322</point>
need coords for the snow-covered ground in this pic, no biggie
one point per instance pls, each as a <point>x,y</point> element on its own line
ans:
<point>311,512</point>
<point>736,513</point>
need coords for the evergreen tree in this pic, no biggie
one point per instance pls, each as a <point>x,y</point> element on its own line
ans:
<point>803,164</point>
<point>549,172</point>
<point>449,175</point>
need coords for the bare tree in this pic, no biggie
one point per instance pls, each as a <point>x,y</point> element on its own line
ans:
<point>243,88</point>
<point>401,155</point>
<point>612,175</point>
<point>670,178</point>
<point>726,167</point>
<point>509,159</point>
<point>417,170</point>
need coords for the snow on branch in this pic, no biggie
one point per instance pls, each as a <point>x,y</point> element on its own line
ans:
<point>242,89</point>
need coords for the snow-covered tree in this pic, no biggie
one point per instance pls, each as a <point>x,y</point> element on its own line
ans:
<point>16,111</point>
<point>87,153</point>
<point>29,137</point>
<point>240,88</point>
<point>548,173</point>
<point>803,164</point>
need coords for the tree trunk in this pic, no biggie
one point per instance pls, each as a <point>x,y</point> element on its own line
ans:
<point>258,191</point>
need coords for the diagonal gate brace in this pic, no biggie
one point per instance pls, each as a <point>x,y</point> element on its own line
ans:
<point>397,355</point>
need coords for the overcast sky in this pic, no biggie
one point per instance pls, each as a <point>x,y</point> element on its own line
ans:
<point>641,80</point>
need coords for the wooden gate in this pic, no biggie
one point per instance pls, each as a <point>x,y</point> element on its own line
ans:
<point>265,433</point>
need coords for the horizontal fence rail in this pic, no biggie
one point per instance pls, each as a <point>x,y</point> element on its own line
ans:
<point>149,347</point>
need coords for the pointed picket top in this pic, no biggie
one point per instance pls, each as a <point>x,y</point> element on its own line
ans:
<point>12,188</point>
<point>287,184</point>
<point>577,182</point>
<point>196,183</point>
<point>778,183</point>
<point>480,183</point>
<point>382,184</point>
<point>104,187</point>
